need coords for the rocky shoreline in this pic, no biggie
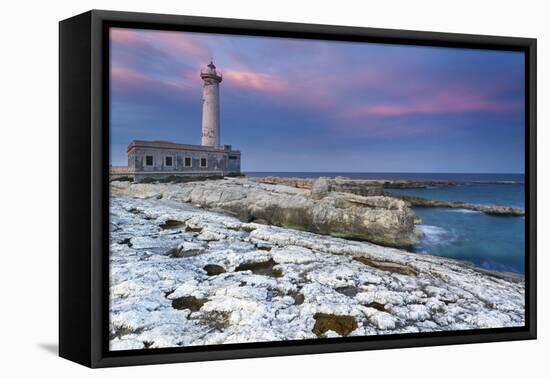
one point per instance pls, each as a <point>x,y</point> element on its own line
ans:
<point>182,275</point>
<point>376,218</point>
<point>376,188</point>
<point>491,210</point>
<point>346,208</point>
<point>349,185</point>
<point>307,183</point>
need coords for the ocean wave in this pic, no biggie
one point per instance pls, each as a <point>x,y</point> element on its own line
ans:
<point>435,235</point>
<point>465,211</point>
<point>499,182</point>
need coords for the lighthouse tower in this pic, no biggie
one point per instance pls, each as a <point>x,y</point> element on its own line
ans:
<point>154,159</point>
<point>211,106</point>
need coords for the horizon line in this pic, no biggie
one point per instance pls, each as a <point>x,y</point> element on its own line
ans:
<point>465,173</point>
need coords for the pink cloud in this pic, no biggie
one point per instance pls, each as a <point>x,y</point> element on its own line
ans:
<point>132,82</point>
<point>307,92</point>
<point>376,120</point>
<point>124,36</point>
<point>381,130</point>
<point>255,81</point>
<point>442,102</point>
<point>127,76</point>
<point>314,86</point>
<point>176,43</point>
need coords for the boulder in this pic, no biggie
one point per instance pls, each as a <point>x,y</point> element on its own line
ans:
<point>320,188</point>
<point>379,219</point>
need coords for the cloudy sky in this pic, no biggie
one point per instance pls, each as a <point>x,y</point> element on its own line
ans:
<point>302,105</point>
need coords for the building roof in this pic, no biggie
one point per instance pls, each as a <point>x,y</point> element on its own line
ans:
<point>164,145</point>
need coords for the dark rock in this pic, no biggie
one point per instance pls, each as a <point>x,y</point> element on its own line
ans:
<point>341,324</point>
<point>213,269</point>
<point>298,298</point>
<point>127,241</point>
<point>263,267</point>
<point>172,224</point>
<point>377,306</point>
<point>349,291</point>
<point>264,247</point>
<point>189,303</point>
<point>387,266</point>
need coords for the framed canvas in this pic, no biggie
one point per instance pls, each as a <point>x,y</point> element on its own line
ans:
<point>235,188</point>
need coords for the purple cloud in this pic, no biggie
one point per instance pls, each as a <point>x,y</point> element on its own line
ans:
<point>329,92</point>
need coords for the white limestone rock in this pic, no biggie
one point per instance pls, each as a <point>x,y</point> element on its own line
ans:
<point>293,254</point>
<point>381,219</point>
<point>318,274</point>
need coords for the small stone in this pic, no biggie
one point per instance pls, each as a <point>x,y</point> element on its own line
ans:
<point>299,299</point>
<point>213,269</point>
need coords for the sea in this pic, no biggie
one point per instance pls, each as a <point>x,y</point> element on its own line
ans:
<point>490,242</point>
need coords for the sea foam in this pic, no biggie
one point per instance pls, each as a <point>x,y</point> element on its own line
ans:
<point>435,235</point>
<point>465,211</point>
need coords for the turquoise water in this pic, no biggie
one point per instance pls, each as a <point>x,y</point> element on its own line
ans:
<point>490,242</point>
<point>476,193</point>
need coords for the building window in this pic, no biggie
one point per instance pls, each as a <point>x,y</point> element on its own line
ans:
<point>188,162</point>
<point>203,163</point>
<point>168,161</point>
<point>149,160</point>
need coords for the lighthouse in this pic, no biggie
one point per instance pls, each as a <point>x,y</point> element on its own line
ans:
<point>158,158</point>
<point>210,106</point>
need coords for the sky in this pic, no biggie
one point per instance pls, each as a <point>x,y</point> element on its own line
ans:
<point>294,105</point>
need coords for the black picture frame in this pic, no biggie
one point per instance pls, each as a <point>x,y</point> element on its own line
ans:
<point>84,192</point>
